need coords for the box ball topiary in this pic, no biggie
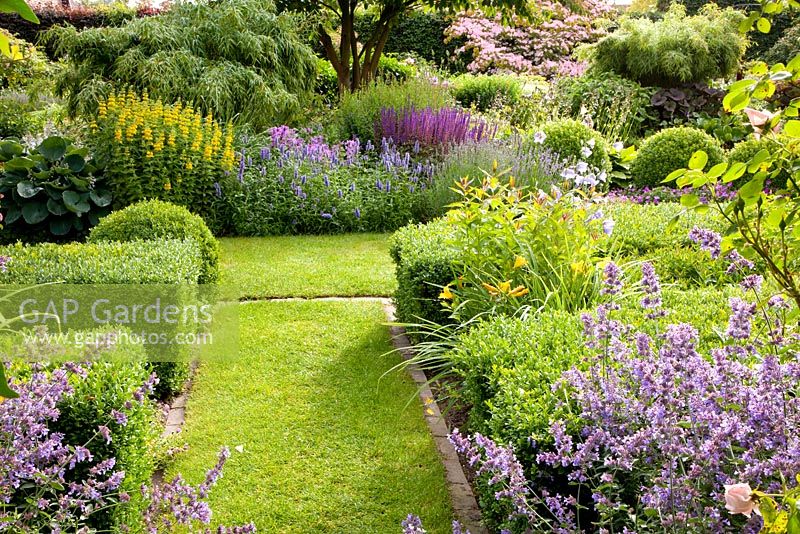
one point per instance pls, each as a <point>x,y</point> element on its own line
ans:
<point>568,138</point>
<point>669,150</point>
<point>743,152</point>
<point>152,219</point>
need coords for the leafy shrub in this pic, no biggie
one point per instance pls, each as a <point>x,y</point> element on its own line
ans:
<point>760,43</point>
<point>431,130</point>
<point>644,228</point>
<point>52,190</point>
<point>424,264</point>
<point>507,368</point>
<point>669,150</point>
<point>743,152</point>
<point>616,107</point>
<point>679,104</point>
<point>237,60</point>
<point>486,91</point>
<point>78,16</point>
<point>536,45</point>
<point>359,112</point>
<point>152,150</point>
<point>389,69</point>
<point>26,70</point>
<point>674,50</point>
<point>298,186</point>
<point>106,387</point>
<point>161,261</point>
<point>154,219</point>
<point>419,32</point>
<point>568,138</point>
<point>522,251</point>
<point>689,268</point>
<point>14,118</point>
<point>785,48</point>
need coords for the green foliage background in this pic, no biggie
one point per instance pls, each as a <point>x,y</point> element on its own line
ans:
<point>239,60</point>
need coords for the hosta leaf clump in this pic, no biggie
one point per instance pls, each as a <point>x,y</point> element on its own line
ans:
<point>50,191</point>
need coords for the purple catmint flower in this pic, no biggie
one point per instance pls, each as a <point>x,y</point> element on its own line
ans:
<point>612,279</point>
<point>738,263</point>
<point>708,240</point>
<point>608,226</point>
<point>412,525</point>
<point>752,282</point>
<point>119,417</point>
<point>740,320</point>
<point>357,213</point>
<point>651,286</point>
<point>104,431</point>
<point>217,190</point>
<point>4,263</point>
<point>325,215</point>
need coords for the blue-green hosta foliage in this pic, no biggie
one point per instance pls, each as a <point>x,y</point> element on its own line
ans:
<point>674,50</point>
<point>238,60</point>
<point>52,191</point>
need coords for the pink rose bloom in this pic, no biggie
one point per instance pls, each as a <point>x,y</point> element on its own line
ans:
<point>739,499</point>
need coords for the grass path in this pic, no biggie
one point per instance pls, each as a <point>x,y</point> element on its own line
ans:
<point>329,446</point>
<point>309,266</point>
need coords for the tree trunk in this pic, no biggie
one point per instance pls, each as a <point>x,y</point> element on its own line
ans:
<point>355,68</point>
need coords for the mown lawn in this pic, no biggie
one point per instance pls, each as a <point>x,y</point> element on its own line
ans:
<point>329,446</point>
<point>309,266</point>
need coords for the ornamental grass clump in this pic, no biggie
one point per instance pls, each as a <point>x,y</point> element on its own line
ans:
<point>152,150</point>
<point>675,50</point>
<point>431,129</point>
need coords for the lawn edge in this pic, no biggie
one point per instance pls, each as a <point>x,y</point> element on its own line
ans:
<point>465,506</point>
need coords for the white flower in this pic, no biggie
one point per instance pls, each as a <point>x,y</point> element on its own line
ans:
<point>568,173</point>
<point>539,137</point>
<point>590,142</point>
<point>582,167</point>
<point>608,226</point>
<point>618,146</point>
<point>602,176</point>
<point>586,152</point>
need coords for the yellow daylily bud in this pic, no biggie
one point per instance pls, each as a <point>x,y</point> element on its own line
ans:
<point>519,261</point>
<point>519,291</point>
<point>446,294</point>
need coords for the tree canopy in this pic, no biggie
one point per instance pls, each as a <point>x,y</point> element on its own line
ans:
<point>355,57</point>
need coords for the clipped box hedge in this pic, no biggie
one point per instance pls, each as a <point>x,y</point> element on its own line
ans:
<point>162,261</point>
<point>508,365</point>
<point>158,261</point>
<point>643,228</point>
<point>423,265</point>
